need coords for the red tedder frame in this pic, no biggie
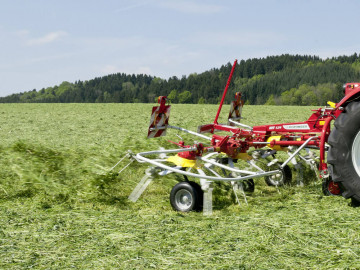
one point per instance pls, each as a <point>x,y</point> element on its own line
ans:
<point>317,127</point>
<point>225,92</point>
<point>312,133</point>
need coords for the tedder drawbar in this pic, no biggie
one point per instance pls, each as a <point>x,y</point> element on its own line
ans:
<point>222,157</point>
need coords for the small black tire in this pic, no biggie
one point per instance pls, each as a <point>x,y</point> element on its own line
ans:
<point>248,185</point>
<point>184,197</point>
<point>278,180</point>
<point>343,154</point>
<point>200,193</point>
<point>330,188</point>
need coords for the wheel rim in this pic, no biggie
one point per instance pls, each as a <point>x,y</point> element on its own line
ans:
<point>183,199</point>
<point>356,153</point>
<point>277,179</point>
<point>334,188</point>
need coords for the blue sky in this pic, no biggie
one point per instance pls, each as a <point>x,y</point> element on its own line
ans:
<point>46,42</point>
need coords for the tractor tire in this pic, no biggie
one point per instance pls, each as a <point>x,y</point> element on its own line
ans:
<point>344,152</point>
<point>184,197</point>
<point>280,180</point>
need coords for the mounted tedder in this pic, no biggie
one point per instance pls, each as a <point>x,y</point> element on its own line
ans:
<point>239,153</point>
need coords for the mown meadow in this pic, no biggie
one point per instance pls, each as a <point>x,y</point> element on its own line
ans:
<point>61,207</point>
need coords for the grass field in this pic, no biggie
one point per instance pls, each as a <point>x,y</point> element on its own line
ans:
<point>61,208</point>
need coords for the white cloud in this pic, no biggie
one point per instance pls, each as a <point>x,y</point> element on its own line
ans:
<point>48,38</point>
<point>191,7</point>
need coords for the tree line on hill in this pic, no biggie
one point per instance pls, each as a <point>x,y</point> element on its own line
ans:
<point>274,80</point>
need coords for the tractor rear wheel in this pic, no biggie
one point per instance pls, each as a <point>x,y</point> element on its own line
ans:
<point>344,152</point>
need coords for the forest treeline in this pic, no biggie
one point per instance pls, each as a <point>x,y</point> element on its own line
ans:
<point>274,80</point>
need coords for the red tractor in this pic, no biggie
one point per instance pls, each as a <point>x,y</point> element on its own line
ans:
<point>221,157</point>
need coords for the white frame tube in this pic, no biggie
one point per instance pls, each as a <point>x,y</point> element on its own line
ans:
<point>226,179</point>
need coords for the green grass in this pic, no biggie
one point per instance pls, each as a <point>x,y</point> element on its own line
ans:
<point>61,208</point>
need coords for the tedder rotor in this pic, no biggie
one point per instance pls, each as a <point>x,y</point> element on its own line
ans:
<point>218,157</point>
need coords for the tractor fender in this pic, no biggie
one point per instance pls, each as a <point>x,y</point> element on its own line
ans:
<point>355,94</point>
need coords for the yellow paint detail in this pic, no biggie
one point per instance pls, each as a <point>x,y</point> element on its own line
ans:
<point>321,123</point>
<point>276,138</point>
<point>276,147</point>
<point>332,104</point>
<point>183,162</point>
<point>243,156</point>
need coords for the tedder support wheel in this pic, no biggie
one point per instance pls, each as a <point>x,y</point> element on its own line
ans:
<point>330,188</point>
<point>186,196</point>
<point>280,179</point>
<point>200,193</point>
<point>344,153</point>
<point>248,185</point>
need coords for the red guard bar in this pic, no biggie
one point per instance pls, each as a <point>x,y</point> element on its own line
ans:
<point>225,91</point>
